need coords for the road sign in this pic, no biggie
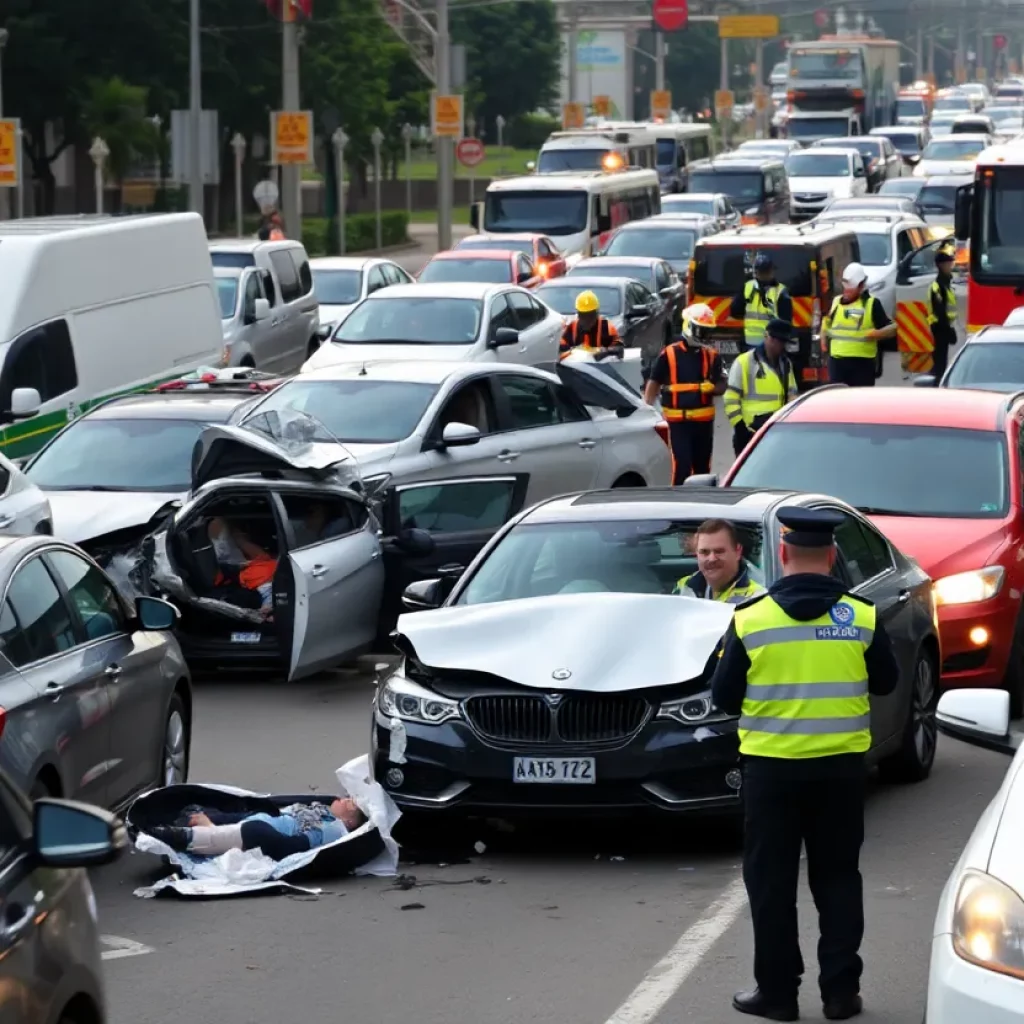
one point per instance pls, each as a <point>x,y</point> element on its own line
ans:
<point>291,135</point>
<point>999,42</point>
<point>821,18</point>
<point>748,26</point>
<point>470,152</point>
<point>723,104</point>
<point>266,195</point>
<point>446,117</point>
<point>602,105</point>
<point>760,99</point>
<point>573,115</point>
<point>1013,66</point>
<point>661,103</point>
<point>10,133</point>
<point>670,15</point>
<point>980,72</point>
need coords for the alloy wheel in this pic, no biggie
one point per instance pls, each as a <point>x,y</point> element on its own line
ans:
<point>923,712</point>
<point>174,750</point>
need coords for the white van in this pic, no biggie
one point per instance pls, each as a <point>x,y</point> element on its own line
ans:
<point>94,306</point>
<point>594,149</point>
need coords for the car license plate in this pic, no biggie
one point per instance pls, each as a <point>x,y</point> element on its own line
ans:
<point>246,638</point>
<point>728,348</point>
<point>572,770</point>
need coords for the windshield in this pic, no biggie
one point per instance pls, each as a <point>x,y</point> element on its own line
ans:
<point>337,287</point>
<point>997,234</point>
<point>869,149</point>
<point>905,142</point>
<point>814,165</point>
<point>1000,114</point>
<point>513,244</point>
<point>562,298</point>
<point>882,466</point>
<point>725,269</point>
<point>941,128</point>
<point>607,268</point>
<point>1009,91</point>
<point>901,187</point>
<point>672,244</point>
<point>227,292</point>
<point>118,455</point>
<point>665,152</point>
<point>744,188</point>
<point>547,213</point>
<point>412,321</point>
<point>234,260</point>
<point>468,269</point>
<point>953,103</point>
<point>687,204</point>
<point>953,149</point>
<point>910,108</point>
<point>844,65</point>
<point>875,250</point>
<point>995,366</point>
<point>358,411</point>
<point>938,199</point>
<point>551,161</point>
<point>620,556</point>
<point>809,128</point>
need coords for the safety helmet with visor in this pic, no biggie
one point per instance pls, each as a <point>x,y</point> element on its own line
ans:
<point>697,322</point>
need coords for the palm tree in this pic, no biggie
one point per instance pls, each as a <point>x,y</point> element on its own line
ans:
<point>116,111</point>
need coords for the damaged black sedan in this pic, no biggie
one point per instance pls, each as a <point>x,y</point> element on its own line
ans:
<point>560,672</point>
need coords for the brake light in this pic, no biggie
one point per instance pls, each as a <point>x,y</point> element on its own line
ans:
<point>543,268</point>
<point>662,429</point>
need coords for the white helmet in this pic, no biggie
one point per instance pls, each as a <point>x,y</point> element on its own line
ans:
<point>854,276</point>
<point>697,319</point>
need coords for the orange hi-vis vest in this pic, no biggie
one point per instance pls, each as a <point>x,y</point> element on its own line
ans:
<point>603,336</point>
<point>681,397</point>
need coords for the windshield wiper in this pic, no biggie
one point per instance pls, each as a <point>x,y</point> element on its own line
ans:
<point>872,510</point>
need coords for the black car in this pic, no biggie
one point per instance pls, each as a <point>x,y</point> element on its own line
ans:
<point>875,204</point>
<point>667,238</point>
<point>881,160</point>
<point>50,958</point>
<point>546,677</point>
<point>990,360</point>
<point>655,274</point>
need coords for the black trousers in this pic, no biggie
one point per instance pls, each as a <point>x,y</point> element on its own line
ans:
<point>691,445</point>
<point>826,815</point>
<point>854,371</point>
<point>940,356</point>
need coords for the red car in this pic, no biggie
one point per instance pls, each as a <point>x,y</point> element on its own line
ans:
<point>486,266</point>
<point>542,252</point>
<point>939,472</point>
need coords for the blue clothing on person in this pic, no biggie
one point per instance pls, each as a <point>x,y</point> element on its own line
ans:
<point>330,829</point>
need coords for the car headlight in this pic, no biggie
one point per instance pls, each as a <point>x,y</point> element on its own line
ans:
<point>401,698</point>
<point>988,925</point>
<point>696,710</point>
<point>969,587</point>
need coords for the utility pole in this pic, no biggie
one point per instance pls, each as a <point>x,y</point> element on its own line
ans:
<point>919,54</point>
<point>723,86</point>
<point>291,177</point>
<point>573,42</point>
<point>659,59</point>
<point>445,155</point>
<point>4,199</point>
<point>195,119</point>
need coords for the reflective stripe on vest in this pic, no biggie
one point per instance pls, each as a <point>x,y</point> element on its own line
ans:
<point>683,400</point>
<point>848,326</point>
<point>758,312</point>
<point>947,298</point>
<point>731,595</point>
<point>807,685</point>
<point>760,395</point>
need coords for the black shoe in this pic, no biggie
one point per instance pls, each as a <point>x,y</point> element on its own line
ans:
<point>843,1008</point>
<point>758,1005</point>
<point>176,838</point>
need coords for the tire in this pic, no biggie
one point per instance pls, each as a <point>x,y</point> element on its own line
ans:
<point>629,480</point>
<point>913,761</point>
<point>39,791</point>
<point>174,745</point>
<point>1013,678</point>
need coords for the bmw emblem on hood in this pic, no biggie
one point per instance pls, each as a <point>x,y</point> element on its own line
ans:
<point>561,674</point>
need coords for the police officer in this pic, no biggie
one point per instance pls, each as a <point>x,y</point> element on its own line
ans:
<point>590,331</point>
<point>797,665</point>
<point>761,381</point>
<point>686,376</point>
<point>762,299</point>
<point>942,312</point>
<point>722,573</point>
<point>855,325</point>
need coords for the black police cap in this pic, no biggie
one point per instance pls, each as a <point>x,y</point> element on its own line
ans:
<point>809,527</point>
<point>781,329</point>
<point>944,256</point>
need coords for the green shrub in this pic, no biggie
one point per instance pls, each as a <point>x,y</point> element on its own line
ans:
<point>530,131</point>
<point>320,235</point>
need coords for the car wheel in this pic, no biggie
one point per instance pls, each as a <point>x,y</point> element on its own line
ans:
<point>630,480</point>
<point>174,747</point>
<point>1013,678</point>
<point>913,761</point>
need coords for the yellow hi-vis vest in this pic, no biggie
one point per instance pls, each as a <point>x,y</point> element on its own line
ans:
<point>758,312</point>
<point>848,326</point>
<point>761,389</point>
<point>807,685</point>
<point>947,298</point>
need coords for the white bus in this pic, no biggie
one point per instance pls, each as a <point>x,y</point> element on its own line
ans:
<point>678,146</point>
<point>594,149</point>
<point>577,211</point>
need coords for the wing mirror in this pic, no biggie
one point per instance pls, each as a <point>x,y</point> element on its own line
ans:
<point>637,312</point>
<point>459,435</point>
<point>504,336</point>
<point>422,595</point>
<point>415,542</point>
<point>324,332</point>
<point>155,613</point>
<point>926,380</point>
<point>702,480</point>
<point>979,717</point>
<point>25,403</point>
<point>66,834</point>
<point>262,309</point>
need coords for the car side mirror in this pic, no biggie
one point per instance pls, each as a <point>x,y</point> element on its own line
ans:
<point>415,542</point>
<point>926,380</point>
<point>980,717</point>
<point>324,332</point>
<point>637,312</point>
<point>504,336</point>
<point>422,595</point>
<point>155,613</point>
<point>25,403</point>
<point>67,834</point>
<point>262,309</point>
<point>667,292</point>
<point>475,216</point>
<point>459,435</point>
<point>701,480</point>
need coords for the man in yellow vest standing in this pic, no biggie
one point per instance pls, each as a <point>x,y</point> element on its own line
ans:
<point>942,312</point>
<point>855,325</point>
<point>797,665</point>
<point>761,300</point>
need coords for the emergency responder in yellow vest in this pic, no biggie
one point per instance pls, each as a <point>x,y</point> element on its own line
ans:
<point>722,573</point>
<point>686,377</point>
<point>590,331</point>
<point>942,312</point>
<point>761,381</point>
<point>797,665</point>
<point>761,300</point>
<point>855,325</point>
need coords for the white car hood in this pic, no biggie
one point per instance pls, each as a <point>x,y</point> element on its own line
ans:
<point>877,275</point>
<point>566,651</point>
<point>838,187</point>
<point>80,516</point>
<point>334,354</point>
<point>935,168</point>
<point>333,315</point>
<point>1005,831</point>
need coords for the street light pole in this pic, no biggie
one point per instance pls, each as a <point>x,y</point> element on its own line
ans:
<point>195,171</point>
<point>659,60</point>
<point>407,139</point>
<point>238,145</point>
<point>291,178</point>
<point>340,141</point>
<point>445,156</point>
<point>99,151</point>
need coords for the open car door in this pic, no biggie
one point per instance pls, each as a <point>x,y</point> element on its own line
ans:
<point>913,280</point>
<point>459,515</point>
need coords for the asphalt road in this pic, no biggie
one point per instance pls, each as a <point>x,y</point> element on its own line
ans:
<point>605,923</point>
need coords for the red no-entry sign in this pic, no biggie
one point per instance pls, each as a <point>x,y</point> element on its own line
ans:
<point>821,18</point>
<point>670,15</point>
<point>999,42</point>
<point>470,152</point>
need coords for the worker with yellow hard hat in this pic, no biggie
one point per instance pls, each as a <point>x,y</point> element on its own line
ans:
<point>590,332</point>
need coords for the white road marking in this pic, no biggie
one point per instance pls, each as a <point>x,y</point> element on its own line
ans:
<point>669,974</point>
<point>121,948</point>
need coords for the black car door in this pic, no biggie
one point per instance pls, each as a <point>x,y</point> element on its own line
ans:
<point>652,334</point>
<point>460,515</point>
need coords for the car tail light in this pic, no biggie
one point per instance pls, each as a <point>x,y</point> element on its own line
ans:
<point>543,268</point>
<point>3,720</point>
<point>661,428</point>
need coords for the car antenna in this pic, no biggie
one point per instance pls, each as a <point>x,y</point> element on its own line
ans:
<point>362,372</point>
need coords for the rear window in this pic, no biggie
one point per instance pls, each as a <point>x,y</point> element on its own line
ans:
<point>233,259</point>
<point>744,188</point>
<point>725,269</point>
<point>482,271</point>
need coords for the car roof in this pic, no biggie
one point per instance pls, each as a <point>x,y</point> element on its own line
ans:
<point>946,179</point>
<point>477,254</point>
<point>343,262</point>
<point>832,151</point>
<point>628,261</point>
<point>512,236</point>
<point>875,223</point>
<point>994,335</point>
<point>969,137</point>
<point>926,407</point>
<point>202,406</point>
<point>812,233</point>
<point>679,220</point>
<point>439,290</point>
<point>694,195</point>
<point>411,371</point>
<point>843,141</point>
<point>252,244</point>
<point>585,281</point>
<point>736,163</point>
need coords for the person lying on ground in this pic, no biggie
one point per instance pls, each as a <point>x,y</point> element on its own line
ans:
<point>297,829</point>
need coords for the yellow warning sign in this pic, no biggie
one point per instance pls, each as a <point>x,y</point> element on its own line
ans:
<point>292,135</point>
<point>748,26</point>
<point>661,104</point>
<point>602,105</point>
<point>10,131</point>
<point>446,117</point>
<point>760,99</point>
<point>723,103</point>
<point>574,115</point>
